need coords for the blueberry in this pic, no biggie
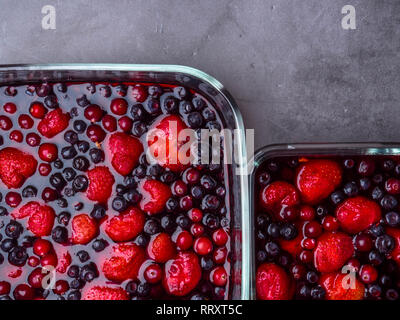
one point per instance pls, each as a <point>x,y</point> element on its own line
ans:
<point>7,244</point>
<point>168,223</point>
<point>152,106</point>
<point>133,196</point>
<point>304,291</point>
<point>288,232</point>
<point>392,218</point>
<point>130,182</point>
<point>388,165</point>
<point>58,164</point>
<point>385,244</point>
<point>139,128</point>
<point>63,218</point>
<point>89,272</point>
<point>76,284</point>
<point>57,181</point>
<point>262,221</point>
<point>197,192</point>
<point>83,256</point>
<point>73,271</point>
<point>208,114</point>
<point>171,205</point>
<point>99,245</point>
<point>71,136</point>
<point>13,229</point>
<point>69,174</point>
<point>337,197</point>
<point>392,294</point>
<point>210,202</point>
<point>272,249</point>
<point>198,103</point>
<point>142,240</point>
<point>318,293</point>
<point>79,126</point>
<point>68,152</point>
<point>80,183</point>
<point>211,221</point>
<point>377,230</point>
<point>208,182</point>
<point>312,277</point>
<point>377,178</point>
<point>120,189</point>
<point>385,280</point>
<point>198,297</point>
<point>29,192</point>
<point>17,256</point>
<point>170,105</point>
<point>3,211</point>
<point>321,211</point>
<point>260,235</point>
<point>143,289</point>
<point>62,202</point>
<point>261,256</point>
<point>183,221</point>
<point>83,146</point>
<point>131,287</point>
<point>377,193</point>
<point>365,184</point>
<point>264,179</point>
<point>43,90</point>
<point>51,101</point>
<point>82,101</point>
<point>59,234</point>
<point>180,92</point>
<point>105,91</point>
<point>375,290</point>
<point>152,226</point>
<point>81,163</point>
<point>389,202</point>
<point>154,170</point>
<point>74,295</point>
<point>273,230</point>
<point>284,259</point>
<point>137,112</point>
<point>350,189</point>
<point>96,155</point>
<point>119,204</point>
<point>140,171</point>
<point>213,125</point>
<point>62,87</point>
<point>375,258</point>
<point>195,120</point>
<point>74,112</point>
<point>206,263</point>
<point>98,212</point>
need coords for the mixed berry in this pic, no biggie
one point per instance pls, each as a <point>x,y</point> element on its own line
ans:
<point>85,215</point>
<point>328,228</point>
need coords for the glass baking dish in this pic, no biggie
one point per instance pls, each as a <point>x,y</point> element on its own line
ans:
<point>308,150</point>
<point>206,85</point>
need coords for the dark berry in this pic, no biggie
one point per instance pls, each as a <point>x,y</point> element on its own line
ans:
<point>272,249</point>
<point>96,155</point>
<point>385,244</point>
<point>59,234</point>
<point>119,204</point>
<point>273,230</point>
<point>170,105</point>
<point>389,202</point>
<point>80,183</point>
<point>137,112</point>
<point>13,229</point>
<point>57,181</point>
<point>392,218</point>
<point>365,184</point>
<point>99,245</point>
<point>211,221</point>
<point>63,218</point>
<point>350,189</point>
<point>81,163</point>
<point>288,232</point>
<point>79,126</point>
<point>29,192</point>
<point>152,226</point>
<point>318,293</point>
<point>83,146</point>
<point>17,256</point>
<point>7,244</point>
<point>143,289</point>
<point>69,174</point>
<point>337,197</point>
<point>98,212</point>
<point>183,221</point>
<point>377,193</point>
<point>195,120</point>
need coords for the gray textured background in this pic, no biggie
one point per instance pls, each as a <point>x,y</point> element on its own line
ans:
<point>295,73</point>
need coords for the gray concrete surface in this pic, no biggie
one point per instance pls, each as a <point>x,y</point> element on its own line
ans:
<point>295,73</point>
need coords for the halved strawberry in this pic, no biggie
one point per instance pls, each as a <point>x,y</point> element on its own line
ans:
<point>15,167</point>
<point>182,274</point>
<point>126,225</point>
<point>155,195</point>
<point>273,283</point>
<point>395,254</point>
<point>105,293</point>
<point>357,214</point>
<point>53,123</point>
<point>26,210</point>
<point>124,262</point>
<point>164,142</point>
<point>332,251</point>
<point>100,184</point>
<point>317,179</point>
<point>64,262</point>
<point>84,229</point>
<point>277,195</point>
<point>125,151</point>
<point>342,286</point>
<point>161,248</point>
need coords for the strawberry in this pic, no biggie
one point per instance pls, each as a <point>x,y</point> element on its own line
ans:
<point>332,251</point>
<point>41,217</point>
<point>164,143</point>
<point>125,151</point>
<point>100,184</point>
<point>84,229</point>
<point>105,293</point>
<point>64,262</point>
<point>317,179</point>
<point>124,262</point>
<point>53,123</point>
<point>273,283</point>
<point>15,167</point>
<point>155,195</point>
<point>126,225</point>
<point>161,248</point>
<point>182,274</point>
<point>357,214</point>
<point>395,254</point>
<point>277,195</point>
<point>341,287</point>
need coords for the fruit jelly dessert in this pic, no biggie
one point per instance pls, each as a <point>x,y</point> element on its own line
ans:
<point>83,215</point>
<point>328,228</point>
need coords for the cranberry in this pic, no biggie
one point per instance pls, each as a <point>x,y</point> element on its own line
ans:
<point>33,261</point>
<point>202,246</point>
<point>44,169</point>
<point>184,240</point>
<point>119,106</point>
<point>153,273</point>
<point>191,176</point>
<point>363,243</point>
<point>186,203</point>
<point>306,256</point>
<point>354,264</point>
<point>5,287</point>
<point>125,123</point>
<point>109,123</point>
<point>195,215</point>
<point>48,152</point>
<point>35,278</point>
<point>330,223</point>
<point>13,199</point>
<point>368,274</point>
<point>298,271</point>
<point>219,255</point>
<point>61,287</point>
<point>307,213</point>
<point>366,167</point>
<point>179,188</point>
<point>288,213</point>
<point>5,123</point>
<point>392,186</point>
<point>37,110</point>
<point>218,276</point>
<point>10,107</point>
<point>220,237</point>
<point>197,229</point>
<point>23,292</point>
<point>41,247</point>
<point>312,229</point>
<point>25,121</point>
<point>33,139</point>
<point>16,136</point>
<point>139,93</point>
<point>308,243</point>
<point>93,113</point>
<point>49,194</point>
<point>95,133</point>
<point>49,260</point>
